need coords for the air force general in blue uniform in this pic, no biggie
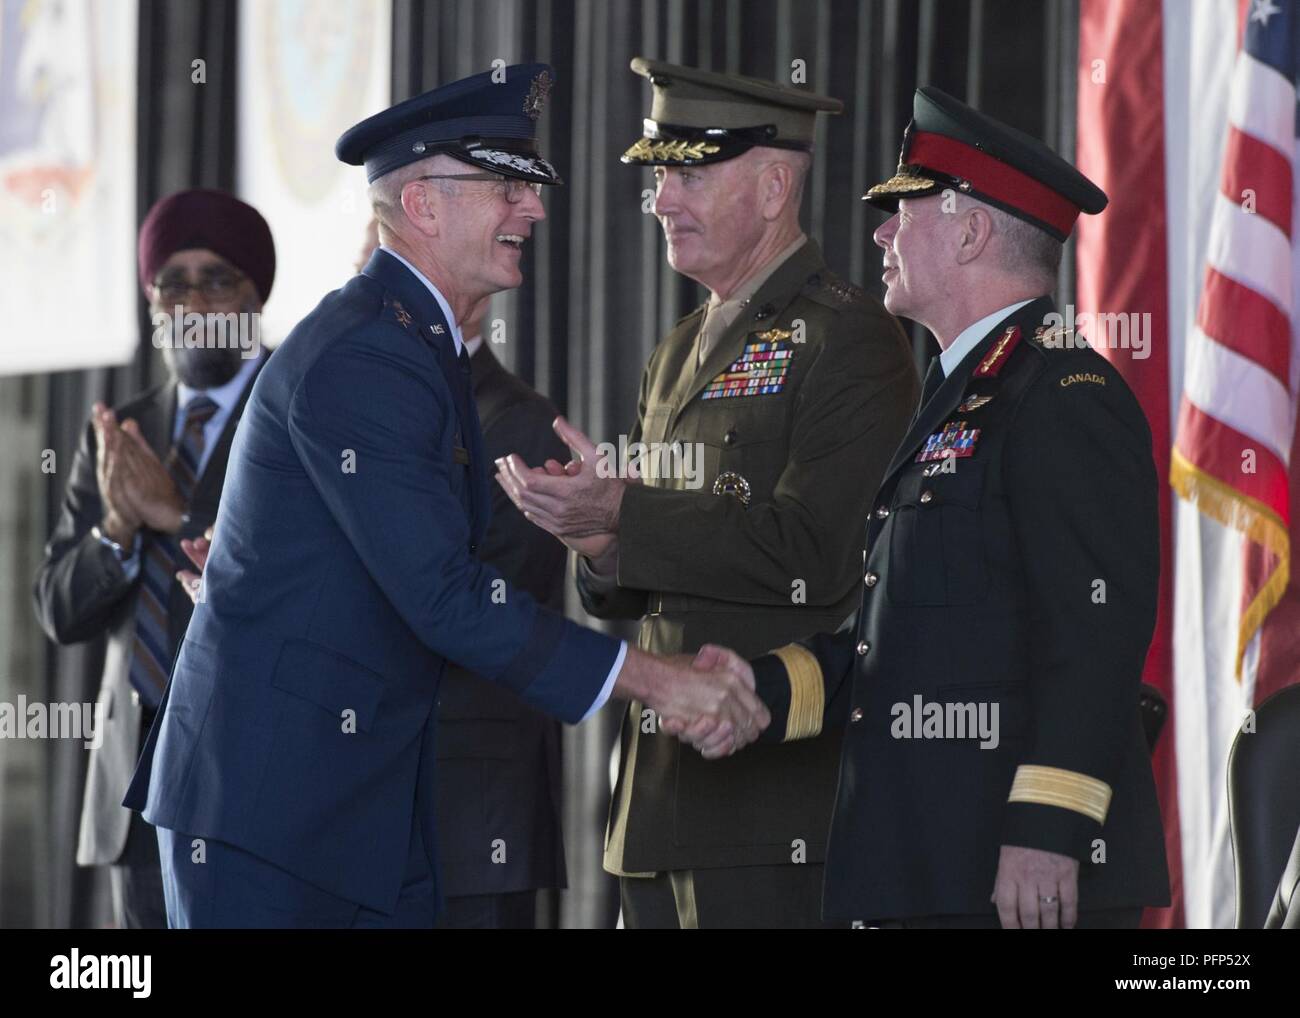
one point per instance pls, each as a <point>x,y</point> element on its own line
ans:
<point>290,770</point>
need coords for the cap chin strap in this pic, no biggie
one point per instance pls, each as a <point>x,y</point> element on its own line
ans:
<point>511,157</point>
<point>760,134</point>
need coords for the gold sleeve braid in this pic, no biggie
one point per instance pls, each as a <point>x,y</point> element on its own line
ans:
<point>807,692</point>
<point>1052,786</point>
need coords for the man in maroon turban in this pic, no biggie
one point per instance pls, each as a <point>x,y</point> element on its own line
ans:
<point>147,474</point>
<point>212,254</point>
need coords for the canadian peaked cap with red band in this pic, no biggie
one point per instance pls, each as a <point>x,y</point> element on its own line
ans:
<point>950,145</point>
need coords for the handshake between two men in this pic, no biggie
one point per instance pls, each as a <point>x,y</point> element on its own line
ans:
<point>708,701</point>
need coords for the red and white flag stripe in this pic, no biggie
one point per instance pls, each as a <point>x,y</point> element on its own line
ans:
<point>1189,123</point>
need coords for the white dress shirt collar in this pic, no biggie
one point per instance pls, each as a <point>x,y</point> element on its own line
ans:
<point>442,301</point>
<point>970,337</point>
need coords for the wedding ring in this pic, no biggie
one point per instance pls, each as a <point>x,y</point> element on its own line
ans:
<point>1049,899</point>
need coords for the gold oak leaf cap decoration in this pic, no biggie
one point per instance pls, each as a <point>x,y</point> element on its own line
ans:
<point>698,117</point>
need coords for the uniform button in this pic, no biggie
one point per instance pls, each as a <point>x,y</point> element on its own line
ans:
<point>856,716</point>
<point>927,496</point>
<point>882,511</point>
<point>135,697</point>
<point>870,579</point>
<point>730,437</point>
<point>863,647</point>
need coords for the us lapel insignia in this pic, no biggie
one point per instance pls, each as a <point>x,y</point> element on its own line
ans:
<point>971,403</point>
<point>760,370</point>
<point>437,330</point>
<point>954,440</point>
<point>997,357</point>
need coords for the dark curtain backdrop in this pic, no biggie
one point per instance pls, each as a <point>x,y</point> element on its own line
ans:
<point>598,293</point>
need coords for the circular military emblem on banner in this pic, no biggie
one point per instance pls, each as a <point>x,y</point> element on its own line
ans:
<point>316,52</point>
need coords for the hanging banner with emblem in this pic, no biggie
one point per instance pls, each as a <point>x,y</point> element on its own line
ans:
<point>309,69</point>
<point>68,184</point>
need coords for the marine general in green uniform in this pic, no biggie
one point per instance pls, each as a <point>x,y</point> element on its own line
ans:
<point>994,767</point>
<point>790,389</point>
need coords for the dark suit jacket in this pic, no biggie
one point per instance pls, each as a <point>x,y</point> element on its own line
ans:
<point>500,772</point>
<point>299,723</point>
<point>81,594</point>
<point>980,586</point>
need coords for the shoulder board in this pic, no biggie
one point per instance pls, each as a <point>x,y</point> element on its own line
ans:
<point>834,292</point>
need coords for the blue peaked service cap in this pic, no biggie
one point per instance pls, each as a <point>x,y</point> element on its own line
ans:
<point>488,120</point>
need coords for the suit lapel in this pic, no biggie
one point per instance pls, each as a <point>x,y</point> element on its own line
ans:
<point>156,419</point>
<point>426,317</point>
<point>773,297</point>
<point>949,394</point>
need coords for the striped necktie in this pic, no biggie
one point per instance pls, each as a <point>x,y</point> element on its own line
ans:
<point>151,658</point>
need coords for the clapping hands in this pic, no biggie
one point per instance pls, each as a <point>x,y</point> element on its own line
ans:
<point>578,502</point>
<point>134,485</point>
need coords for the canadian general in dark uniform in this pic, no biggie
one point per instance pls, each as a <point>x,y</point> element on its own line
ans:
<point>994,767</point>
<point>794,387</point>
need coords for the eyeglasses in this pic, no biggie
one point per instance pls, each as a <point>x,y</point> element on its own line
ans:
<point>511,188</point>
<point>215,286</point>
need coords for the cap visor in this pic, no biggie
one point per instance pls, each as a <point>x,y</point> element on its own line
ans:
<point>511,164</point>
<point>900,185</point>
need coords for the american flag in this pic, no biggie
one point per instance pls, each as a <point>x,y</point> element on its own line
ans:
<point>1187,118</point>
<point>1237,414</point>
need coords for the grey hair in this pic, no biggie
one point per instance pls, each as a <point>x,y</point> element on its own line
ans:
<point>385,194</point>
<point>1025,248</point>
<point>800,164</point>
